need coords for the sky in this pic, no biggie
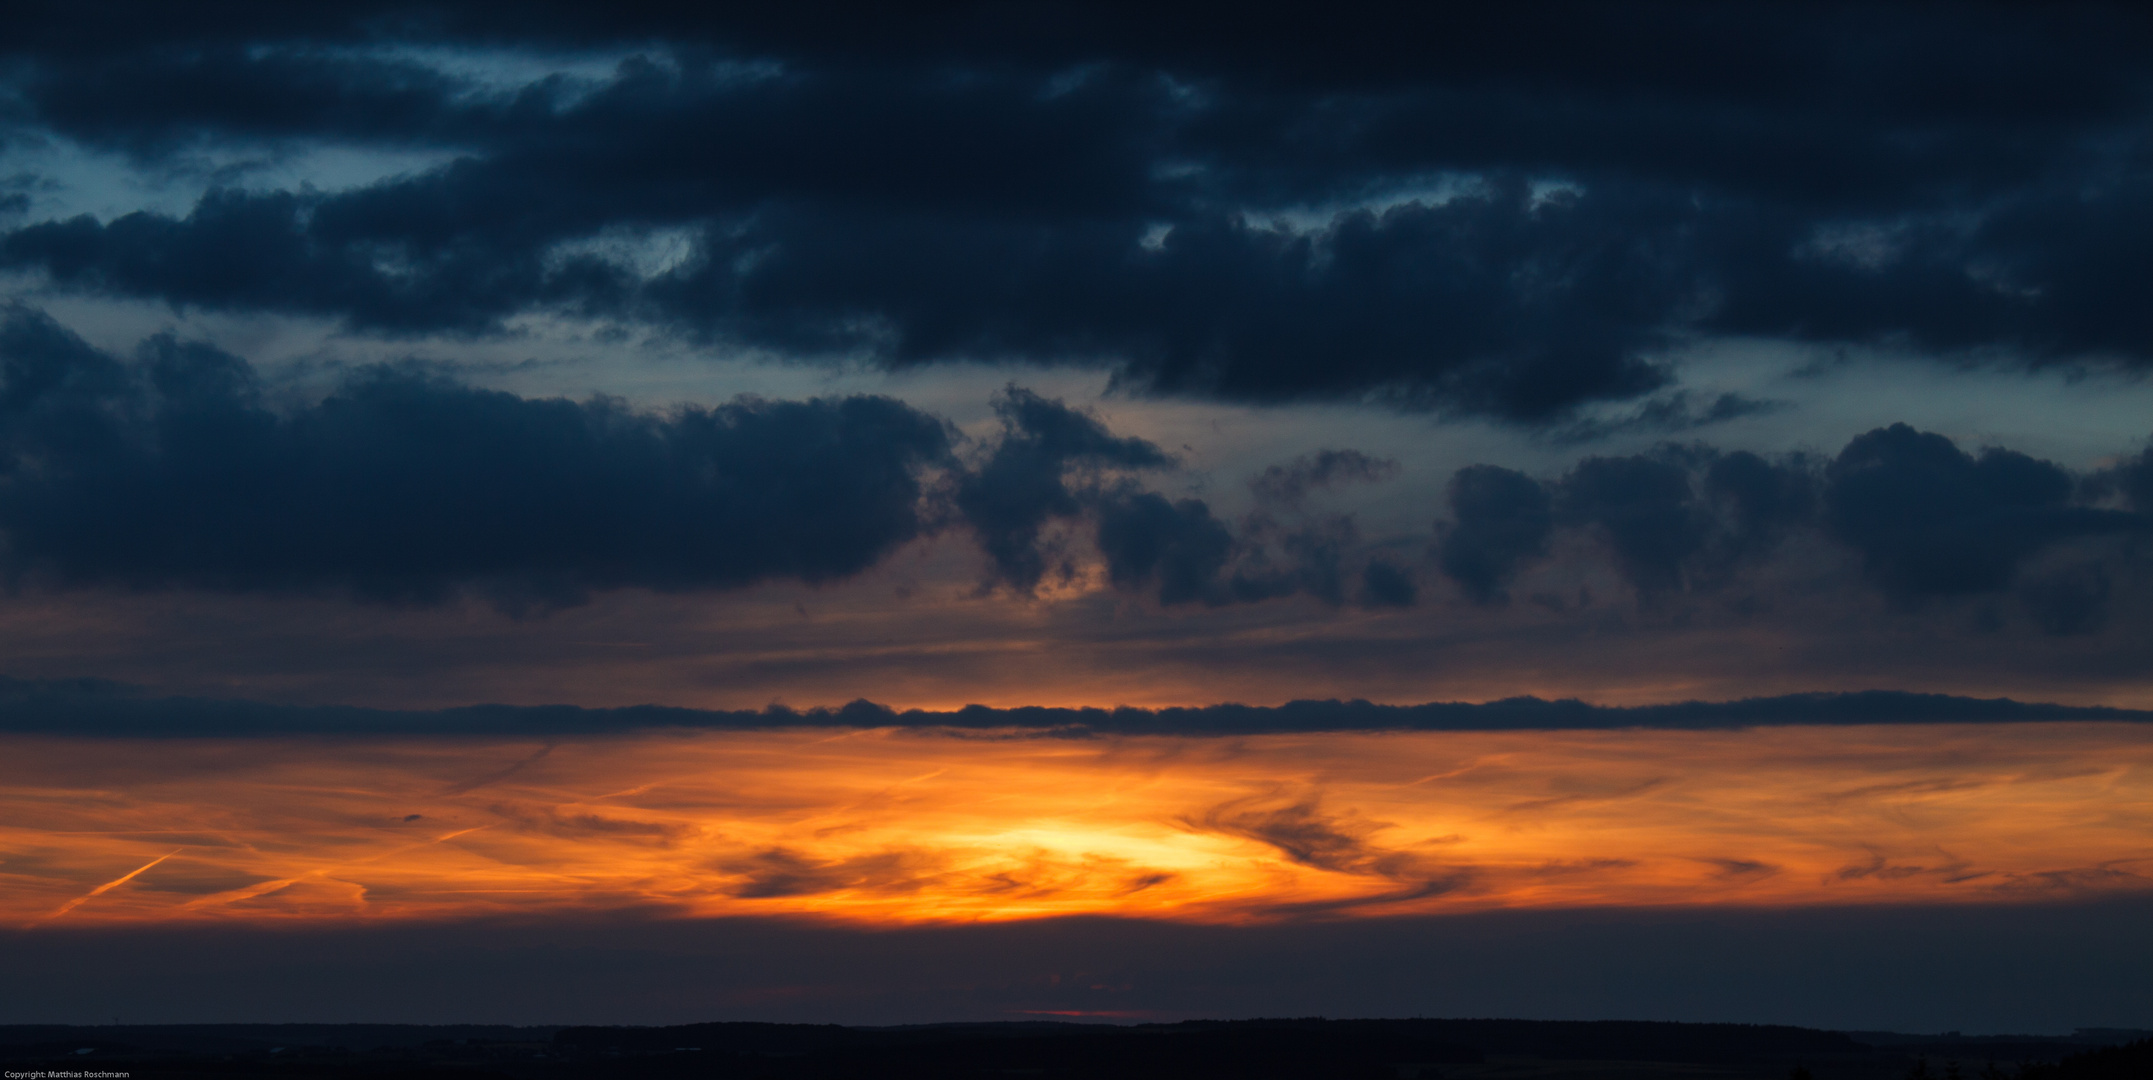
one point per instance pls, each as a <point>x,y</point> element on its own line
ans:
<point>842,512</point>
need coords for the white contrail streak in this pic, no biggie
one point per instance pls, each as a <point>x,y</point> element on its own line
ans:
<point>108,886</point>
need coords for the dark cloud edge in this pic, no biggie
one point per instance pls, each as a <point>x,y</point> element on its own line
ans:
<point>95,708</point>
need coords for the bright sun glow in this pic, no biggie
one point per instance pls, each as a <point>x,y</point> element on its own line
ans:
<point>898,826</point>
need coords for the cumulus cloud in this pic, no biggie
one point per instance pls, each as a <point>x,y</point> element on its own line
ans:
<point>1385,584</point>
<point>1025,481</point>
<point>1513,217</point>
<point>1499,519</point>
<point>1175,545</point>
<point>1923,518</point>
<point>1932,519</point>
<point>171,469</point>
<point>175,468</point>
<point>1644,509</point>
<point>1053,463</point>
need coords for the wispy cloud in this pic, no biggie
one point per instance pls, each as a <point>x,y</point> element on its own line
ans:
<point>897,826</point>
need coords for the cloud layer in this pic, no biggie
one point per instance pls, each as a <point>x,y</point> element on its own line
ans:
<point>1515,216</point>
<point>174,470</point>
<point>895,826</point>
<point>95,708</point>
<point>179,467</point>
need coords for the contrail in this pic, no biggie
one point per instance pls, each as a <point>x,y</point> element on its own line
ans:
<point>263,888</point>
<point>107,886</point>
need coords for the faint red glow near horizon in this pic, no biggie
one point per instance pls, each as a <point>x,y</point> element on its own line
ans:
<point>898,826</point>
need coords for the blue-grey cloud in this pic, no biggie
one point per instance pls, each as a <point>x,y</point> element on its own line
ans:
<point>1052,463</point>
<point>172,470</point>
<point>1645,510</point>
<point>1669,414</point>
<point>1025,481</point>
<point>1385,584</point>
<point>96,708</point>
<point>1499,519</point>
<point>1176,546</point>
<point>1931,519</point>
<point>1925,519</point>
<point>1517,216</point>
<point>1290,483</point>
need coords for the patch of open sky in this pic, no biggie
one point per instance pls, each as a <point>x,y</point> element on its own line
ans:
<point>506,71</point>
<point>2079,417</point>
<point>1541,192</point>
<point>65,179</point>
<point>646,253</point>
<point>1308,219</point>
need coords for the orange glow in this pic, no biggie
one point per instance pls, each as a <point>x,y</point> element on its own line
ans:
<point>908,826</point>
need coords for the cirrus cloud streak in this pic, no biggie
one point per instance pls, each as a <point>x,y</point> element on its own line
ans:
<point>891,826</point>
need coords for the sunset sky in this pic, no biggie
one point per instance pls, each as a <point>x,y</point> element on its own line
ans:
<point>844,512</point>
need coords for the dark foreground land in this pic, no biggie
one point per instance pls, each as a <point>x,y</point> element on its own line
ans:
<point>1196,1050</point>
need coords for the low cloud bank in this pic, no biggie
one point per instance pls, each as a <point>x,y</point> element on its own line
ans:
<point>181,466</point>
<point>87,707</point>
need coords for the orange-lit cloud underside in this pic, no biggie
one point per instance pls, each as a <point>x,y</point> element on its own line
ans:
<point>894,826</point>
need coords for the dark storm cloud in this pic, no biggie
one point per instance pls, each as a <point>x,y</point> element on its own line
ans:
<point>1509,210</point>
<point>1684,87</point>
<point>1024,482</point>
<point>1644,510</point>
<point>172,470</point>
<point>86,707</point>
<point>1053,464</point>
<point>1175,545</point>
<point>1924,518</point>
<point>1499,519</point>
<point>1421,305</point>
<point>1385,584</point>
<point>1762,498</point>
<point>161,101</point>
<point>1931,519</point>
<point>1182,553</point>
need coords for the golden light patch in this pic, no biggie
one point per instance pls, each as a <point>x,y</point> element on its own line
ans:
<point>911,826</point>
